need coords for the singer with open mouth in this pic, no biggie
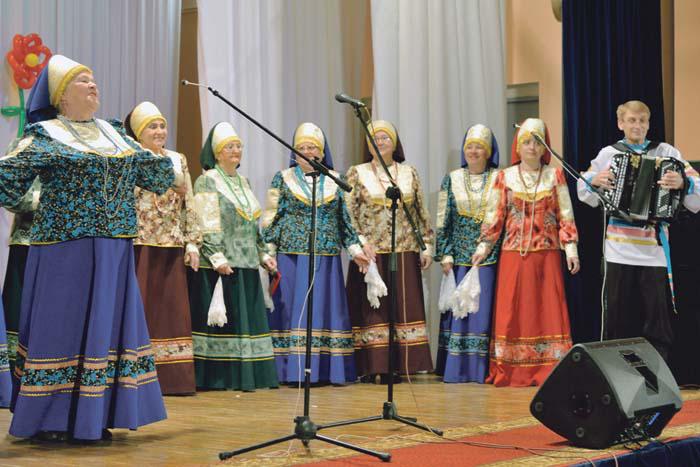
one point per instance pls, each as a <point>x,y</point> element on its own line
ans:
<point>84,360</point>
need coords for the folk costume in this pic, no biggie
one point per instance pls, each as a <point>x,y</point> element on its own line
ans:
<point>464,342</point>
<point>238,355</point>
<point>286,225</point>
<point>16,261</point>
<point>370,212</point>
<point>84,360</point>
<point>533,210</point>
<point>167,229</point>
<point>639,276</point>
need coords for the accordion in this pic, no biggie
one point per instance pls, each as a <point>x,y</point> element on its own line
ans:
<point>636,192</point>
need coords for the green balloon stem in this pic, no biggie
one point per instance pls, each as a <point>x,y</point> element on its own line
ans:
<point>20,130</point>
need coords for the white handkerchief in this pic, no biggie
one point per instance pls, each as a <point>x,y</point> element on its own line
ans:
<point>466,297</point>
<point>447,290</point>
<point>217,307</point>
<point>375,285</point>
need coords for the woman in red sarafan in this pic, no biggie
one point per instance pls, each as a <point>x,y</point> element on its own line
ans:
<point>530,199</point>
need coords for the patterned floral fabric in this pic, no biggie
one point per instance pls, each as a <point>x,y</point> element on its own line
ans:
<point>42,377</point>
<point>461,211</point>
<point>515,195</point>
<point>168,220</point>
<point>458,344</point>
<point>12,346</point>
<point>408,334</point>
<point>4,358</point>
<point>287,219</point>
<point>229,228</point>
<point>322,341</point>
<point>370,211</point>
<point>530,351</point>
<point>232,348</point>
<point>24,215</point>
<point>172,350</point>
<point>84,193</point>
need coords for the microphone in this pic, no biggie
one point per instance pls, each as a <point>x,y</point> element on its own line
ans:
<point>345,99</point>
<point>184,82</point>
<point>536,136</point>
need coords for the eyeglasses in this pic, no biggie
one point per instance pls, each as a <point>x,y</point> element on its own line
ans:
<point>306,148</point>
<point>382,139</point>
<point>232,147</point>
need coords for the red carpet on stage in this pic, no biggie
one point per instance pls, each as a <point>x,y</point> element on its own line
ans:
<point>539,446</point>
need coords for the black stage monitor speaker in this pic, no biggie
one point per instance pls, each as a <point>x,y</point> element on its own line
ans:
<point>604,393</point>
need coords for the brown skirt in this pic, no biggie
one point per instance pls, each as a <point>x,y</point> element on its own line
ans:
<point>370,326</point>
<point>163,282</point>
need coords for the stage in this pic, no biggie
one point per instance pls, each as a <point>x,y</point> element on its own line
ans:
<point>201,426</point>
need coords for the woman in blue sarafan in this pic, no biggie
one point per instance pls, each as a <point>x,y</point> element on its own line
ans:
<point>286,225</point>
<point>84,360</point>
<point>464,342</point>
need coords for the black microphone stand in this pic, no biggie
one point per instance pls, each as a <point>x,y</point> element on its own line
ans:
<point>304,428</point>
<point>389,410</point>
<point>606,204</point>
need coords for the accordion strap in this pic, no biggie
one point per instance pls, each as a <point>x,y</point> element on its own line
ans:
<point>622,147</point>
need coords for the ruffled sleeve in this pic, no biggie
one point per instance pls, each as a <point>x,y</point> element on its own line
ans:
<point>348,235</point>
<point>208,211</point>
<point>190,227</point>
<point>153,173</point>
<point>495,216</point>
<point>568,235</point>
<point>445,213</point>
<point>18,170</point>
<point>276,205</point>
<point>422,217</point>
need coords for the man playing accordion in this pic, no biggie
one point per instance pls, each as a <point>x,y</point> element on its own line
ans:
<point>638,283</point>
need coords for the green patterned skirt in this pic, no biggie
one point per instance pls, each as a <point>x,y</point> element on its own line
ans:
<point>238,355</point>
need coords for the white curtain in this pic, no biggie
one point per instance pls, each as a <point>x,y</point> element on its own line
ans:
<point>282,63</point>
<point>132,46</point>
<point>438,69</point>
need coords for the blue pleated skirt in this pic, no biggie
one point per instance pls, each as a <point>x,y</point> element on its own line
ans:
<point>463,349</point>
<point>84,359</point>
<point>332,358</point>
<point>5,380</point>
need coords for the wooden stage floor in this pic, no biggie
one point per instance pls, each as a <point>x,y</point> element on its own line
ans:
<point>201,426</point>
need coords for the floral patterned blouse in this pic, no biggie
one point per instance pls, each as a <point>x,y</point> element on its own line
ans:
<point>227,213</point>
<point>24,215</point>
<point>168,220</point>
<point>370,210</point>
<point>87,182</point>
<point>462,206</point>
<point>287,218</point>
<point>537,214</point>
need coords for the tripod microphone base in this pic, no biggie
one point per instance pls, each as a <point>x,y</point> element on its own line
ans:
<point>305,430</point>
<point>389,412</point>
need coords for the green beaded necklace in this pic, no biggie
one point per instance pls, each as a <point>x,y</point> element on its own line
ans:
<point>244,206</point>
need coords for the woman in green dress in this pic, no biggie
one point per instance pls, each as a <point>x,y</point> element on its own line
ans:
<point>237,355</point>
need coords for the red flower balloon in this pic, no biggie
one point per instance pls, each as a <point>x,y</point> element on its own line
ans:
<point>27,58</point>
